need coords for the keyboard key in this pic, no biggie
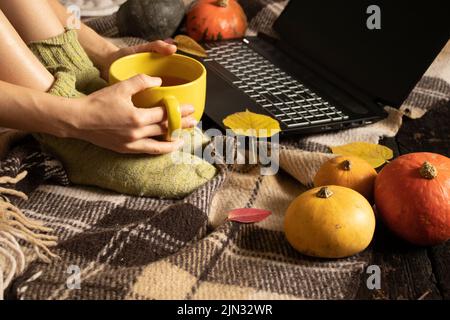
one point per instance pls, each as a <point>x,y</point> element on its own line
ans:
<point>284,97</point>
<point>298,124</point>
<point>262,101</point>
<point>273,90</point>
<point>300,103</point>
<point>300,118</point>
<point>271,108</point>
<point>302,96</point>
<point>321,120</point>
<point>315,112</point>
<point>269,96</point>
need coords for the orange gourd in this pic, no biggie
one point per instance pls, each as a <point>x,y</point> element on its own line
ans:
<point>412,196</point>
<point>348,171</point>
<point>216,20</point>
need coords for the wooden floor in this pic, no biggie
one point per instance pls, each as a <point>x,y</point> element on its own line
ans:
<point>410,272</point>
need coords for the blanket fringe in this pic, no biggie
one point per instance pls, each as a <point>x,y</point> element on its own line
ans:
<point>15,225</point>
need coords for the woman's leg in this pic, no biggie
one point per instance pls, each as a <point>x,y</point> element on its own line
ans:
<point>40,27</point>
<point>34,20</point>
<point>18,65</point>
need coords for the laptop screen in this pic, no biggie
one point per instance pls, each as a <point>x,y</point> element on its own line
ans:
<point>383,50</point>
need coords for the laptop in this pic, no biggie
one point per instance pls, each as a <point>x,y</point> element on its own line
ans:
<point>334,64</point>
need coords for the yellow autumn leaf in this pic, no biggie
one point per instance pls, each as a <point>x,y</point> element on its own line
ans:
<point>251,124</point>
<point>189,45</point>
<point>375,154</point>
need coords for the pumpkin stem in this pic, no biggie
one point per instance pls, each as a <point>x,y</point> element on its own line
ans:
<point>222,3</point>
<point>428,171</point>
<point>346,165</point>
<point>324,193</point>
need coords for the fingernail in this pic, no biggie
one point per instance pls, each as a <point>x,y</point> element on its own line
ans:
<point>157,80</point>
<point>169,41</point>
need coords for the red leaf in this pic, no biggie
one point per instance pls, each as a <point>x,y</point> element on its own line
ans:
<point>248,215</point>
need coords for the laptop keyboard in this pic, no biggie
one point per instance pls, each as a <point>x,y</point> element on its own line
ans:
<point>287,99</point>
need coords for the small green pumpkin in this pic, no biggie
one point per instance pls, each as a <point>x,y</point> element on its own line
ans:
<point>150,19</point>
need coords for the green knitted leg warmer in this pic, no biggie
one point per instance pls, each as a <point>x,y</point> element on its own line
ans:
<point>140,175</point>
<point>65,51</point>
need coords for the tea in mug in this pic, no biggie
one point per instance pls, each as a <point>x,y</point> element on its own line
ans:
<point>169,81</point>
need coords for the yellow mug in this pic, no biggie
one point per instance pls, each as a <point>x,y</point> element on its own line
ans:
<point>192,90</point>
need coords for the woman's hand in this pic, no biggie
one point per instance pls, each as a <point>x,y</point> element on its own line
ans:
<point>109,119</point>
<point>159,46</point>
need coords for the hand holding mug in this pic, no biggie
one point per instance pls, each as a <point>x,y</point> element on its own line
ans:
<point>108,118</point>
<point>183,82</point>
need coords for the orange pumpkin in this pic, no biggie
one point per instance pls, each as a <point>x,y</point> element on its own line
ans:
<point>216,20</point>
<point>412,195</point>
<point>348,171</point>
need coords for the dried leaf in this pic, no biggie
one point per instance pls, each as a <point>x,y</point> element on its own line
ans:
<point>252,124</point>
<point>189,45</point>
<point>375,154</point>
<point>248,215</point>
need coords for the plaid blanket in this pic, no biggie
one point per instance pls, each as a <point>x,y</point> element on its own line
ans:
<point>114,246</point>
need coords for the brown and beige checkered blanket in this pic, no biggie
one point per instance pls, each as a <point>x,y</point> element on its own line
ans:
<point>142,248</point>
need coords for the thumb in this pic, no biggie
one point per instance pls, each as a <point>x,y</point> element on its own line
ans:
<point>139,83</point>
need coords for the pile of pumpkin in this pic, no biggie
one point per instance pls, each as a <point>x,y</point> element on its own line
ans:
<point>206,20</point>
<point>336,218</point>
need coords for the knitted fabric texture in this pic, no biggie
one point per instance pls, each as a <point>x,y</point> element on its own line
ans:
<point>65,51</point>
<point>86,164</point>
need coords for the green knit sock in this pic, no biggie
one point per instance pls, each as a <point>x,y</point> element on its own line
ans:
<point>65,83</point>
<point>86,164</point>
<point>65,51</point>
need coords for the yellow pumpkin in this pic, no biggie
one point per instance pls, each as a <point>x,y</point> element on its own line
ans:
<point>348,171</point>
<point>330,222</point>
